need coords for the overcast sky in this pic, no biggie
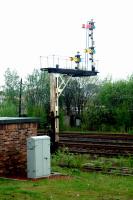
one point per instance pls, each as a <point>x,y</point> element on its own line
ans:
<point>33,28</point>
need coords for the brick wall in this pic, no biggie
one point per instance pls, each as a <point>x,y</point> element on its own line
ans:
<point>13,147</point>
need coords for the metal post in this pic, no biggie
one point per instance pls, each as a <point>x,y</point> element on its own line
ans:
<point>57,106</point>
<point>20,98</point>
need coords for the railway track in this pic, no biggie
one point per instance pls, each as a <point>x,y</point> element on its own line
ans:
<point>102,144</point>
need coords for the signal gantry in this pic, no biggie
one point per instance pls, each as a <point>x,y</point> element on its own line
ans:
<point>73,66</point>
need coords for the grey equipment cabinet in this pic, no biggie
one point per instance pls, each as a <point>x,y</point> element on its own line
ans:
<point>38,156</point>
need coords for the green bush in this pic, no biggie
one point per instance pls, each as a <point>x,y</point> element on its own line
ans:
<point>38,111</point>
<point>8,109</point>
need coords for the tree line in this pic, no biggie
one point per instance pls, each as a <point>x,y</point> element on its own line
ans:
<point>101,105</point>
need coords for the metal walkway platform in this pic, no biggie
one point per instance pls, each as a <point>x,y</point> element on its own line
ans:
<point>71,72</point>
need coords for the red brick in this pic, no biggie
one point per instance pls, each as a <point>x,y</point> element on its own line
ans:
<point>13,152</point>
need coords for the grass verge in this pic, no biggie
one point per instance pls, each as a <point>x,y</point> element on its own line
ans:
<point>81,185</point>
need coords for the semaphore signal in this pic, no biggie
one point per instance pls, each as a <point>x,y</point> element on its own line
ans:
<point>69,67</point>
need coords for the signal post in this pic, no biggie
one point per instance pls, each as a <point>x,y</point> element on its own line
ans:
<point>61,72</point>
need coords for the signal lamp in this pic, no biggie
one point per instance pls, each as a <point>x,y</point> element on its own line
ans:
<point>71,58</point>
<point>85,50</point>
<point>90,51</point>
<point>88,26</point>
<point>77,58</point>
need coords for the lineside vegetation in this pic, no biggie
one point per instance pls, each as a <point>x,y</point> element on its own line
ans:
<point>99,105</point>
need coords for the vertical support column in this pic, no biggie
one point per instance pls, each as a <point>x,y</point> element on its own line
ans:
<point>54,105</point>
<point>57,106</point>
<point>20,98</point>
<point>52,93</point>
